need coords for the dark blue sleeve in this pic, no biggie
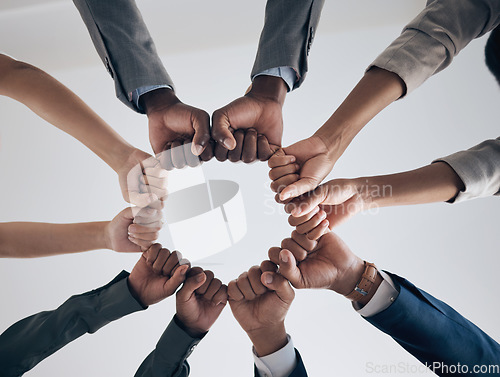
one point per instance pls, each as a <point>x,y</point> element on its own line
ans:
<point>299,371</point>
<point>436,334</point>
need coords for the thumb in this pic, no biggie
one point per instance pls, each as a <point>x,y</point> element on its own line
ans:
<point>201,136</point>
<point>298,188</point>
<point>190,285</point>
<point>220,130</point>
<point>279,284</point>
<point>288,267</point>
<point>176,279</point>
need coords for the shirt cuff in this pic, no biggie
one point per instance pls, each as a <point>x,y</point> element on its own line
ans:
<point>278,364</point>
<point>135,96</point>
<point>286,73</point>
<point>384,297</point>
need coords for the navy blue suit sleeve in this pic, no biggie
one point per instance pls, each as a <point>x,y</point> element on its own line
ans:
<point>299,371</point>
<point>435,333</point>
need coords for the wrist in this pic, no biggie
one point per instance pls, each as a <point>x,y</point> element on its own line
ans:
<point>365,300</point>
<point>269,87</point>
<point>105,235</point>
<point>269,339</point>
<point>158,99</point>
<point>191,329</point>
<point>135,290</point>
<point>348,278</point>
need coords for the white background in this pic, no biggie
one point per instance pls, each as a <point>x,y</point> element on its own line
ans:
<point>208,48</point>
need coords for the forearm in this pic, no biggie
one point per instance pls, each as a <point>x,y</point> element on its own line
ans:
<point>375,91</point>
<point>59,106</point>
<point>437,182</point>
<point>30,240</point>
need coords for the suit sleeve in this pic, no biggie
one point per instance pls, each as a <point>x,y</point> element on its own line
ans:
<point>478,168</point>
<point>287,36</point>
<point>429,43</point>
<point>29,341</point>
<point>124,44</point>
<point>298,371</point>
<point>169,358</point>
<point>434,332</point>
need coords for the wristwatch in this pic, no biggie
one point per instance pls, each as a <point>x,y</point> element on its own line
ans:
<point>365,284</point>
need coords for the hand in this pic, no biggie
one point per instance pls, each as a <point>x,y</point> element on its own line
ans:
<point>292,177</point>
<point>329,265</point>
<point>142,180</point>
<point>259,300</point>
<point>157,275</point>
<point>173,124</point>
<point>327,206</point>
<point>200,301</point>
<point>251,127</point>
<point>121,234</point>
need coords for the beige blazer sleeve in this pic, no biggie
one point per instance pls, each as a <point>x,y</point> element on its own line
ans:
<point>479,169</point>
<point>429,43</point>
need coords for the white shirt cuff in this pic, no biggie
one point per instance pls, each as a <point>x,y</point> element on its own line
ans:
<point>136,94</point>
<point>286,73</point>
<point>386,294</point>
<point>278,364</point>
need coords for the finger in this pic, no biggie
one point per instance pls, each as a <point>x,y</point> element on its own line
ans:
<point>245,287</point>
<point>165,158</point>
<point>277,199</point>
<point>178,158</point>
<point>280,285</point>
<point>221,152</point>
<point>274,255</point>
<point>234,292</point>
<point>176,280</point>
<point>280,159</point>
<point>151,237</point>
<point>264,149</point>
<point>142,200</point>
<point>201,138</point>
<point>151,253</point>
<point>208,152</point>
<point>254,274</point>
<point>282,183</point>
<point>212,289</point>
<point>303,241</point>
<point>204,287</point>
<point>249,152</point>
<point>307,202</point>
<point>143,244</point>
<point>298,251</point>
<point>161,193</point>
<point>192,283</point>
<point>158,264</point>
<point>221,296</point>
<point>171,263</point>
<point>300,187</point>
<point>317,232</point>
<point>267,265</point>
<point>309,225</point>
<point>288,268</point>
<point>296,221</point>
<point>221,130</point>
<point>191,159</point>
<point>141,229</point>
<point>281,171</point>
<point>235,154</point>
<point>151,180</point>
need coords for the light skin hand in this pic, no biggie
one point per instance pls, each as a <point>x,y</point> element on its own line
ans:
<point>259,300</point>
<point>157,275</point>
<point>251,127</point>
<point>173,123</point>
<point>200,301</point>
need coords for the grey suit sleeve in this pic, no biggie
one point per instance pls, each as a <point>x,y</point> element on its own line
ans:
<point>124,44</point>
<point>287,36</point>
<point>169,359</point>
<point>478,168</point>
<point>429,43</point>
<point>29,341</point>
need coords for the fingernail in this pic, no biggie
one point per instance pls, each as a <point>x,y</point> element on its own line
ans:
<point>284,257</point>
<point>285,196</point>
<point>197,149</point>
<point>292,159</point>
<point>268,278</point>
<point>199,277</point>
<point>183,271</point>
<point>226,142</point>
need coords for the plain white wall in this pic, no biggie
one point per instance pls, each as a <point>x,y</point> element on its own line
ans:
<point>48,176</point>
